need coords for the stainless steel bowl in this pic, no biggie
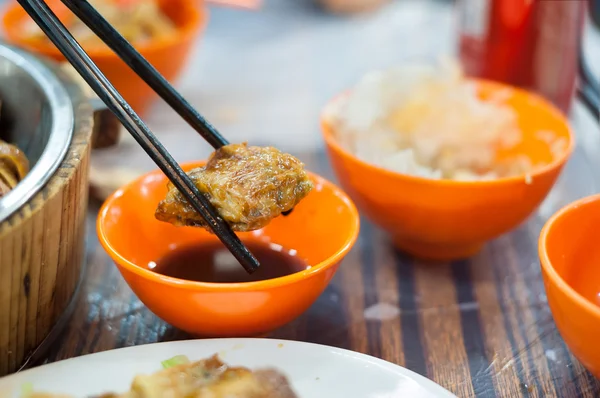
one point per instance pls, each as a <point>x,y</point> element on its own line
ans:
<point>37,116</point>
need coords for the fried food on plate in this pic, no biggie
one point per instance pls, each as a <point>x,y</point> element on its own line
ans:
<point>208,378</point>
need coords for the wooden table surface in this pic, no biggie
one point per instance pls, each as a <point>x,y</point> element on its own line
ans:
<point>479,327</point>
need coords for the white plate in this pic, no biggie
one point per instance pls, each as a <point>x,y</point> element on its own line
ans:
<point>315,371</point>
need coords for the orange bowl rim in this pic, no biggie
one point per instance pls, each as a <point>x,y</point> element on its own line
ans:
<point>196,22</point>
<point>239,286</point>
<point>327,132</point>
<point>546,263</point>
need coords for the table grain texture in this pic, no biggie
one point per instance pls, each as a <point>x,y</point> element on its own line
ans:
<point>479,327</point>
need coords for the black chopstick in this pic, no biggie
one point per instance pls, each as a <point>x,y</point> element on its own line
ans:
<point>109,35</point>
<point>589,99</point>
<point>68,46</point>
<point>588,87</point>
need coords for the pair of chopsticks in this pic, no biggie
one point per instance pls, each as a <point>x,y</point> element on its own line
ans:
<point>45,18</point>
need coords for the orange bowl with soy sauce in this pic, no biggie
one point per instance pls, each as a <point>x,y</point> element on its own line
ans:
<point>441,219</point>
<point>570,258</point>
<point>319,232</point>
<point>168,55</point>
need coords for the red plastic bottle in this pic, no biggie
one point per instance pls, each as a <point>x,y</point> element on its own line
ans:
<point>532,44</point>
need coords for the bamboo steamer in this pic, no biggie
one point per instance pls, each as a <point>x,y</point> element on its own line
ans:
<point>42,221</point>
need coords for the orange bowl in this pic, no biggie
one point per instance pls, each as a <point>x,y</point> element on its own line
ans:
<point>570,259</point>
<point>322,229</point>
<point>445,219</point>
<point>167,56</point>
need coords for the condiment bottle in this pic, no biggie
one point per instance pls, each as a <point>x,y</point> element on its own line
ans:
<point>532,44</point>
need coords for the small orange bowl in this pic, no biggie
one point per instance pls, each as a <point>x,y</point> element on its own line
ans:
<point>570,258</point>
<point>322,229</point>
<point>168,56</point>
<point>444,219</point>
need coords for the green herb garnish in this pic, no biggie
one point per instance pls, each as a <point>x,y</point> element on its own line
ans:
<point>176,360</point>
<point>26,390</point>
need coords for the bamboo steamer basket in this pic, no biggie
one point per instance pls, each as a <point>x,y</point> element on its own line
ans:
<point>47,114</point>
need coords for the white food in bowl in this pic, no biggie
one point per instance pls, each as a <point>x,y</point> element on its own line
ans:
<point>427,121</point>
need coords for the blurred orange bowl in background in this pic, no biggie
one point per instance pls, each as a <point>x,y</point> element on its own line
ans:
<point>168,56</point>
<point>448,219</point>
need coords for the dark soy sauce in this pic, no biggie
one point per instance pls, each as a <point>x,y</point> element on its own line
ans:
<point>212,262</point>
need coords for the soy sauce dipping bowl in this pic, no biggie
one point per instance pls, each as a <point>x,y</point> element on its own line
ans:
<point>322,229</point>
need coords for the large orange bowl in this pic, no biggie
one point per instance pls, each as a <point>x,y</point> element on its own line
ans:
<point>570,259</point>
<point>167,56</point>
<point>444,219</point>
<point>322,229</point>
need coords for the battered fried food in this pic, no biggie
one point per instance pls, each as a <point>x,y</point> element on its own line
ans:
<point>248,186</point>
<point>209,378</point>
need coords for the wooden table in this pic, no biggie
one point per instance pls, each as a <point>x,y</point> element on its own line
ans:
<point>479,327</point>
